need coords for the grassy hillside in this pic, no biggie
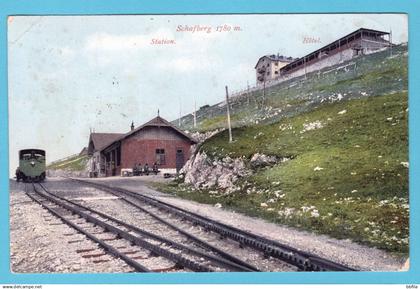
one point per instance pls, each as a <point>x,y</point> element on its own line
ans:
<point>76,163</point>
<point>348,175</point>
<point>375,74</point>
<point>344,129</point>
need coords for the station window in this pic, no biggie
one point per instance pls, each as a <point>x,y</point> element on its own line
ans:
<point>160,156</point>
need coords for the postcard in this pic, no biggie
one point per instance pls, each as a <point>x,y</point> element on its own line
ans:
<point>170,144</point>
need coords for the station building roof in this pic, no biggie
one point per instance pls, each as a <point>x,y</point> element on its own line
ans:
<point>155,122</point>
<point>98,141</point>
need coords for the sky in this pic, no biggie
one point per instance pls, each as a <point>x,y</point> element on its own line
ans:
<point>68,75</point>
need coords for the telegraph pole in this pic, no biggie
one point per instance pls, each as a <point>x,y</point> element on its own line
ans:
<point>195,113</point>
<point>247,92</point>
<point>228,114</point>
<point>390,41</point>
<point>179,119</point>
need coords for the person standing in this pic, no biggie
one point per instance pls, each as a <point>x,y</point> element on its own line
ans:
<point>139,172</point>
<point>134,170</point>
<point>155,168</point>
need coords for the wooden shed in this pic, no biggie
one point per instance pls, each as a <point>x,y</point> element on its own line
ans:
<point>98,141</point>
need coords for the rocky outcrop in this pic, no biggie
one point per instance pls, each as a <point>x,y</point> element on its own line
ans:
<point>202,136</point>
<point>261,160</point>
<point>203,173</point>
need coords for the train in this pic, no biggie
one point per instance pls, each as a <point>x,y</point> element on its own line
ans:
<point>31,165</point>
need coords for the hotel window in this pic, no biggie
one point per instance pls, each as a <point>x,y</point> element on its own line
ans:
<point>160,156</point>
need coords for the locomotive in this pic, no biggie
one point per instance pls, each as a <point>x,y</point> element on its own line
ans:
<point>31,165</point>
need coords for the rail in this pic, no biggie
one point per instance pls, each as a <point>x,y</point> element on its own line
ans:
<point>87,214</point>
<point>303,260</point>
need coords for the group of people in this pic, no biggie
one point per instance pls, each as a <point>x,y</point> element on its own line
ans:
<point>138,170</point>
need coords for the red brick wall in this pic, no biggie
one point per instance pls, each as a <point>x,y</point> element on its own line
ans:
<point>135,150</point>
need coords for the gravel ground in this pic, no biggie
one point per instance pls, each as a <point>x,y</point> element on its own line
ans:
<point>53,231</point>
<point>131,215</point>
<point>44,251</point>
<point>110,205</point>
<point>40,242</point>
<point>342,251</point>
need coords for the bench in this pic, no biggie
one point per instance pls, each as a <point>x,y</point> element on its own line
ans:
<point>126,172</point>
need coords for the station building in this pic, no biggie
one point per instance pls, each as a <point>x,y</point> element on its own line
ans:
<point>97,141</point>
<point>157,141</point>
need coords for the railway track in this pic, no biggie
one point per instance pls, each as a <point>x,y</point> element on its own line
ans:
<point>165,213</point>
<point>130,243</point>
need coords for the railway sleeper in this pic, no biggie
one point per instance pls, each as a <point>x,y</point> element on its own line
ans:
<point>137,241</point>
<point>230,261</point>
<point>281,251</point>
<point>114,252</point>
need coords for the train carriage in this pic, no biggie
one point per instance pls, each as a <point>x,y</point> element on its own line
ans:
<point>31,165</point>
